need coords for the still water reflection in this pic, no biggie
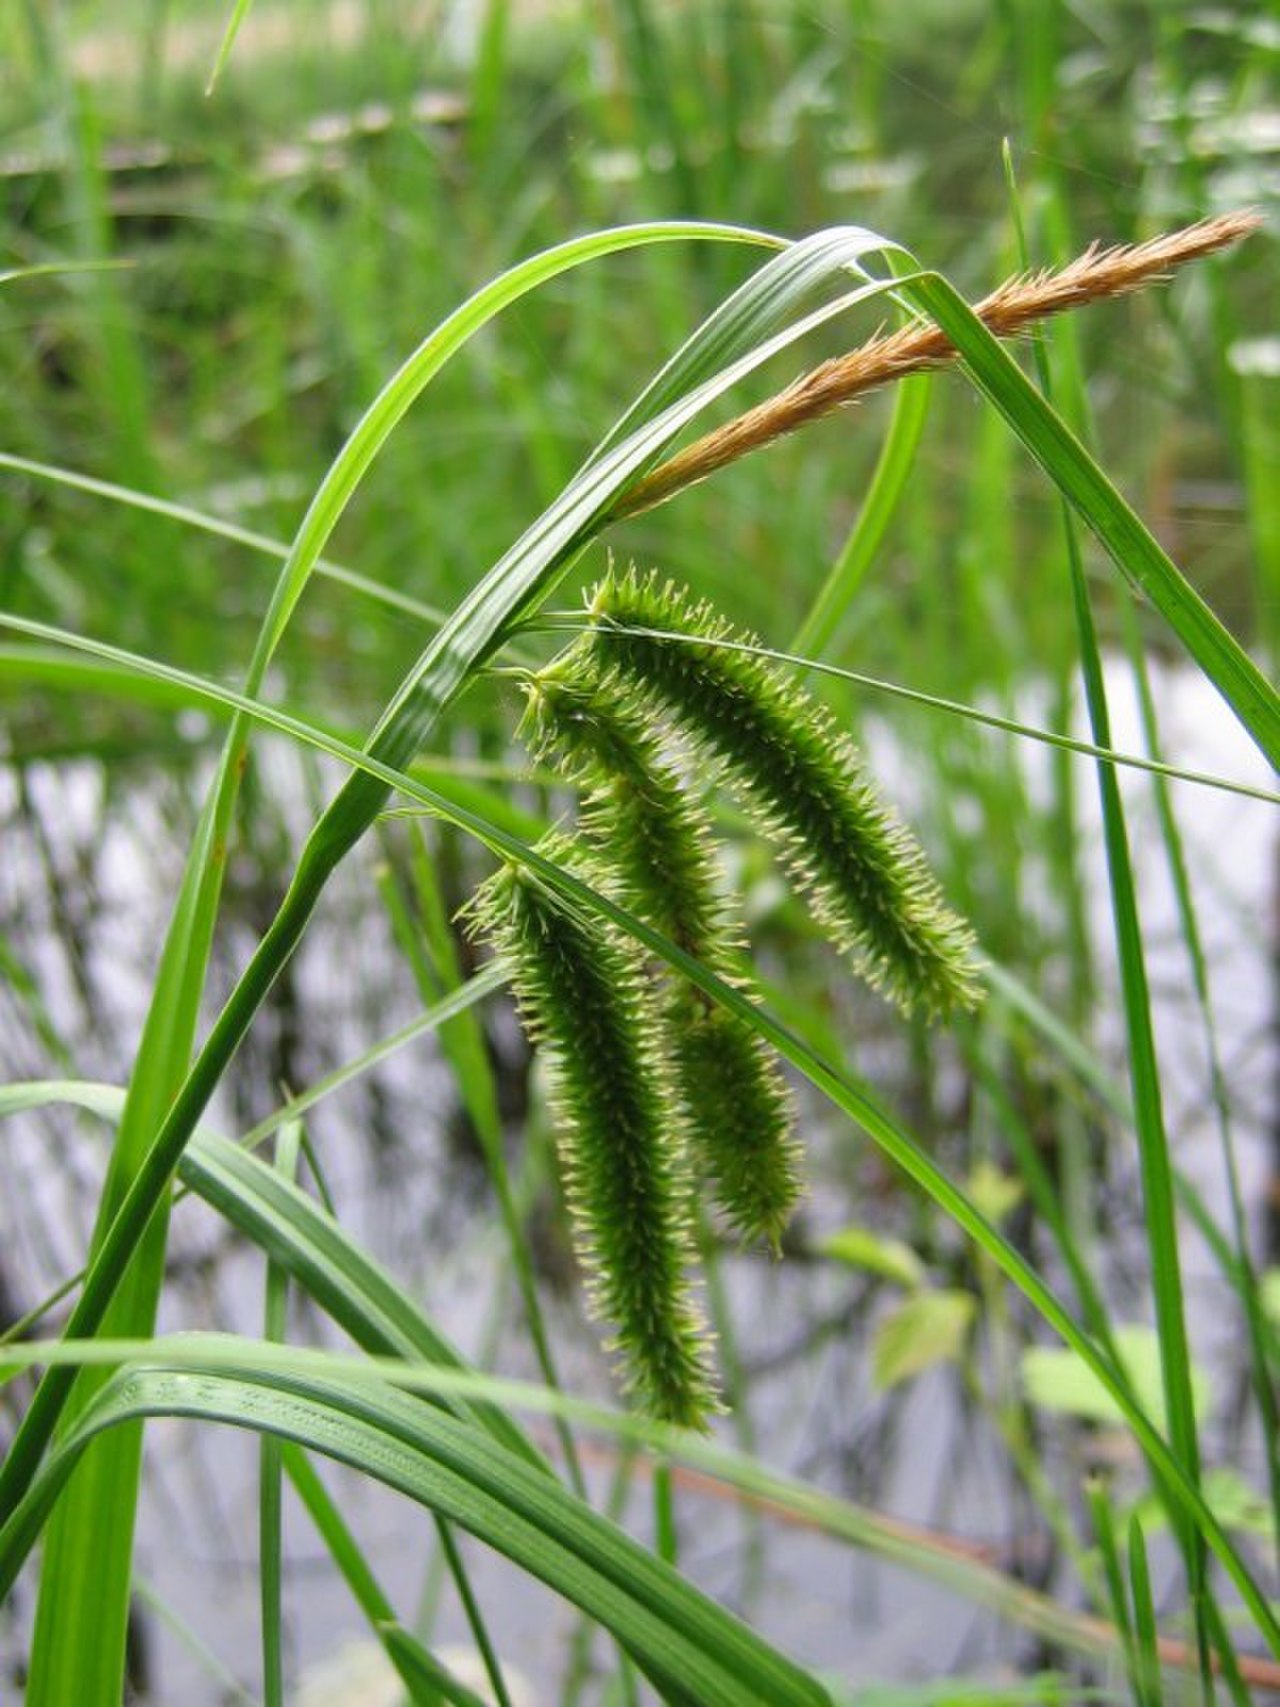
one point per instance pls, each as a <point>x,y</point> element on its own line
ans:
<point>91,864</point>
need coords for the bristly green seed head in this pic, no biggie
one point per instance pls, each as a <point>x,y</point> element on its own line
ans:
<point>584,997</point>
<point>654,832</point>
<point>644,1065</point>
<point>738,1118</point>
<point>778,750</point>
<point>656,838</point>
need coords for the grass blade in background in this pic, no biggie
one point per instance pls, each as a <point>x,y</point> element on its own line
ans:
<point>185,516</point>
<point>488,78</point>
<point>270,1505</point>
<point>239,12</point>
<point>420,1672</point>
<point>1243,1266</point>
<point>1153,1144</point>
<point>887,488</point>
<point>79,1641</point>
<point>417,1670</point>
<point>1149,1691</point>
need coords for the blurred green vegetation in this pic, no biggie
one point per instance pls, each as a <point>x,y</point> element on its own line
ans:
<point>359,170</point>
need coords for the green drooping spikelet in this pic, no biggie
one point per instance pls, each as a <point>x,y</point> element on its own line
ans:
<point>652,831</point>
<point>656,839</point>
<point>738,1116</point>
<point>583,996</point>
<point>779,751</point>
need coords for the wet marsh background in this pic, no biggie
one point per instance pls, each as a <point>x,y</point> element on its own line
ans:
<point>358,171</point>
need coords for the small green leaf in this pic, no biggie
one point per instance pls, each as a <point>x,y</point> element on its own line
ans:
<point>995,1192</point>
<point>925,1329</point>
<point>1055,1379</point>
<point>859,1247</point>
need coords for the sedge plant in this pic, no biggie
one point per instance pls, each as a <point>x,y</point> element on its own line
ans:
<point>657,677</point>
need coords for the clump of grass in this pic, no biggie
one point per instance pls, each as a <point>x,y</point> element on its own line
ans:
<point>350,298</point>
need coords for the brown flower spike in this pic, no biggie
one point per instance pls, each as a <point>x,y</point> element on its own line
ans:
<point>1011,308</point>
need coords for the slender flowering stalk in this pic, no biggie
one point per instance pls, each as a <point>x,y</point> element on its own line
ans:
<point>656,854</point>
<point>779,751</point>
<point>1010,309</point>
<point>582,993</point>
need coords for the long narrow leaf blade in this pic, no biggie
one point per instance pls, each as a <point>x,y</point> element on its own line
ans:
<point>683,1640</point>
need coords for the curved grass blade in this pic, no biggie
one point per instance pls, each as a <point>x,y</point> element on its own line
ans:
<point>296,1233</point>
<point>30,1094</point>
<point>762,303</point>
<point>202,522</point>
<point>287,1224</point>
<point>813,1508</point>
<point>888,483</point>
<point>405,386</point>
<point>349,1285</point>
<point>683,1641</point>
